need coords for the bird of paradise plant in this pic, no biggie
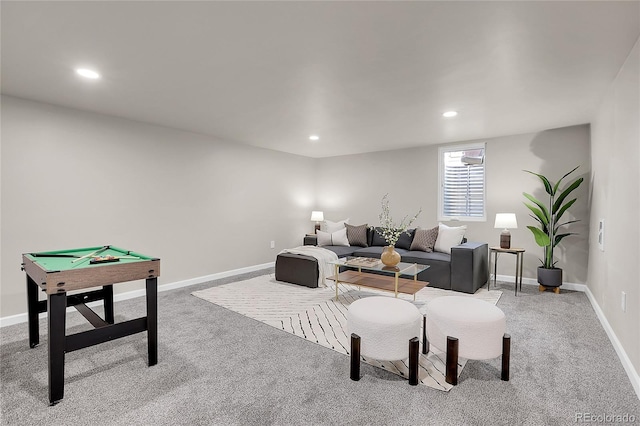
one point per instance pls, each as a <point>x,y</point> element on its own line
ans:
<point>548,234</point>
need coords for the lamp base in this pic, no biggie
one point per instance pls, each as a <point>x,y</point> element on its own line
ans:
<point>317,228</point>
<point>505,239</point>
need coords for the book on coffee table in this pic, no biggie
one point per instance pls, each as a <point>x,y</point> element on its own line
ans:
<point>363,261</point>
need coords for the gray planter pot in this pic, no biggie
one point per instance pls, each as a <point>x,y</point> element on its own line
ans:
<point>550,277</point>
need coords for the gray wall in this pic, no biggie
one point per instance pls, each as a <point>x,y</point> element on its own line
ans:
<point>78,179</point>
<point>352,186</point>
<point>616,191</point>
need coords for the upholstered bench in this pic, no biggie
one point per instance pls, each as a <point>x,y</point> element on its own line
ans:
<point>297,269</point>
<point>386,329</point>
<point>466,327</point>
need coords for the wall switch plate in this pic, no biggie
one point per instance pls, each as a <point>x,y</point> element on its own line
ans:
<point>601,234</point>
<point>273,244</point>
<point>623,302</point>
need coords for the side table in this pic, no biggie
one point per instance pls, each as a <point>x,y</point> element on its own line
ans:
<point>519,252</point>
<point>310,240</point>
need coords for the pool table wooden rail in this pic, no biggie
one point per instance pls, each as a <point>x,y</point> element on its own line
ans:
<point>59,276</point>
<point>76,279</point>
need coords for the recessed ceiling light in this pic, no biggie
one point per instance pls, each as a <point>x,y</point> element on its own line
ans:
<point>450,114</point>
<point>314,137</point>
<point>87,73</point>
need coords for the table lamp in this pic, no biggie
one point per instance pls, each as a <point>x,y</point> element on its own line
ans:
<point>317,217</point>
<point>505,221</point>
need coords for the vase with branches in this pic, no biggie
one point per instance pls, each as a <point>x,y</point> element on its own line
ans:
<point>391,231</point>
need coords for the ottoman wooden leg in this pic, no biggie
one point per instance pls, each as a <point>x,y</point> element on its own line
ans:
<point>452,361</point>
<point>355,357</point>
<point>414,345</point>
<point>425,342</point>
<point>506,355</point>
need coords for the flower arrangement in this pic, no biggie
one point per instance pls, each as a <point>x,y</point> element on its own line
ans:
<point>391,231</point>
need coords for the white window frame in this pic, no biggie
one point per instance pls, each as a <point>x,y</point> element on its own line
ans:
<point>463,147</point>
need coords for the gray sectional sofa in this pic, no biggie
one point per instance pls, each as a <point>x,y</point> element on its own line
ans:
<point>466,269</point>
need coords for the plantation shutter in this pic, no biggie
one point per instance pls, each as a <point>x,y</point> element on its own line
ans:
<point>463,184</point>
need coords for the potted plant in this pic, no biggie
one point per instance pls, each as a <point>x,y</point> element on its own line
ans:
<point>548,233</point>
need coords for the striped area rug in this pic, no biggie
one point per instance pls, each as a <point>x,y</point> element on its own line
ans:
<point>314,314</point>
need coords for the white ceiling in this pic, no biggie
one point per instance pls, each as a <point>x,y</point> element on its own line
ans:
<point>365,76</point>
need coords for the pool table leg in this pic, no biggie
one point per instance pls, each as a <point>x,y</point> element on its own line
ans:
<point>32,312</point>
<point>108,303</point>
<point>57,305</point>
<point>152,320</point>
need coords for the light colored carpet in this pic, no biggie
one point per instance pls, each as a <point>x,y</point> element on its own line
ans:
<point>315,315</point>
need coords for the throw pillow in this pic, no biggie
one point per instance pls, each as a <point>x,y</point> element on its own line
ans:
<point>404,242</point>
<point>329,226</point>
<point>425,239</point>
<point>357,235</point>
<point>338,238</point>
<point>378,239</point>
<point>449,236</point>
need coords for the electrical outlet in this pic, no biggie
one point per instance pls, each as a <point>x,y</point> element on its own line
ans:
<point>273,244</point>
<point>623,302</point>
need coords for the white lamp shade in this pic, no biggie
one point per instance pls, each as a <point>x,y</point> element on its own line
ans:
<point>317,216</point>
<point>506,221</point>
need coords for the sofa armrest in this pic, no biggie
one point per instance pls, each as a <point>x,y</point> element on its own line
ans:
<point>469,266</point>
<point>310,240</point>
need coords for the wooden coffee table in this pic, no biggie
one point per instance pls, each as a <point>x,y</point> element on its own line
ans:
<point>372,273</point>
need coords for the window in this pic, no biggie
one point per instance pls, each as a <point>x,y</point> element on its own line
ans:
<point>462,183</point>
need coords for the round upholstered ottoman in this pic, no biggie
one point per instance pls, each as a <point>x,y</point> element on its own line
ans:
<point>469,328</point>
<point>386,329</point>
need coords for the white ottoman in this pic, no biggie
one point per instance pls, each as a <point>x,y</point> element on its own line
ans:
<point>469,328</point>
<point>386,329</point>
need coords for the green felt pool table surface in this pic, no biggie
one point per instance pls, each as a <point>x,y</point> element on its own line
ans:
<point>57,260</point>
<point>61,271</point>
<point>66,270</point>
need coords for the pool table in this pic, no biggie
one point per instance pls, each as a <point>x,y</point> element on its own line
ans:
<point>61,271</point>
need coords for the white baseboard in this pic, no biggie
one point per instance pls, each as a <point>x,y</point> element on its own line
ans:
<point>533,281</point>
<point>20,318</point>
<point>624,358</point>
<point>626,362</point>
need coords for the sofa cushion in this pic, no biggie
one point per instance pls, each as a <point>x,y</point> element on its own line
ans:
<point>374,251</point>
<point>357,235</point>
<point>337,238</point>
<point>423,258</point>
<point>370,232</point>
<point>342,251</point>
<point>377,239</point>
<point>424,239</point>
<point>449,236</point>
<point>404,242</point>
